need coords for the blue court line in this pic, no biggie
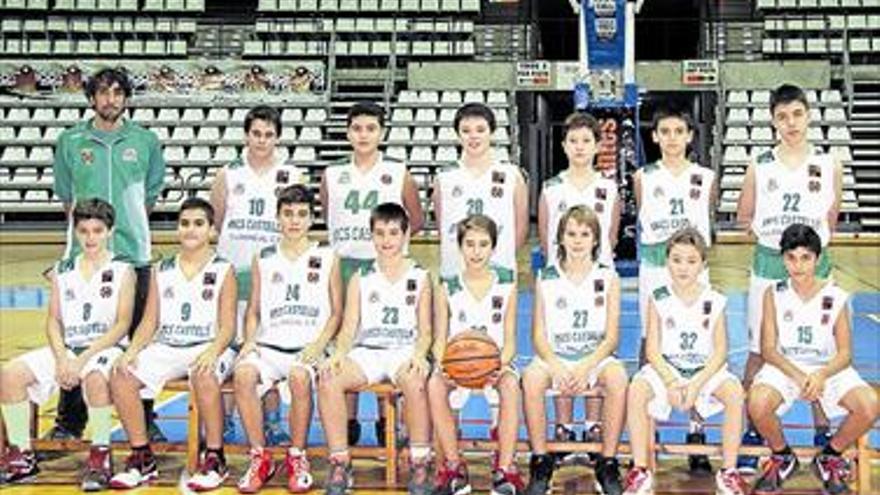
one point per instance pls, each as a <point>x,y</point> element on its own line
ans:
<point>866,358</point>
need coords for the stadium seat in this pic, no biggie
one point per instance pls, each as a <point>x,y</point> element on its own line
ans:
<point>291,115</point>
<point>816,134</point>
<point>838,134</point>
<point>225,153</point>
<point>315,115</point>
<point>198,154</point>
<point>310,134</point>
<point>447,115</point>
<point>288,135</point>
<point>760,98</point>
<point>835,115</point>
<point>29,134</point>
<point>143,115</point>
<point>424,135</point>
<point>41,155</point>
<point>399,134</point>
<point>736,134</point>
<point>501,116</point>
<point>69,116</point>
<point>447,154</point>
<point>19,114</point>
<point>421,154</point>
<point>173,154</point>
<point>183,133</point>
<point>446,134</point>
<point>761,115</point>
<point>43,115</point>
<point>815,115</point>
<point>304,154</point>
<point>7,134</point>
<point>831,96</point>
<point>738,116</point>
<point>761,134</point>
<point>233,134</point>
<point>429,97</point>
<point>192,116</point>
<point>397,152</point>
<point>472,96</point>
<point>161,132</point>
<point>239,114</point>
<point>841,152</point>
<point>735,154</point>
<point>208,135</point>
<point>402,115</point>
<point>501,135</point>
<point>168,115</point>
<point>496,98</point>
<point>218,115</point>
<point>426,115</point>
<point>14,154</point>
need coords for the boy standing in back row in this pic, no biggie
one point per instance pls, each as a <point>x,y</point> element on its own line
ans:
<point>795,182</point>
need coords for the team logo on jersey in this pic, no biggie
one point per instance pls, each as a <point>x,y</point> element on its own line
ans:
<point>826,318</point>
<point>462,316</point>
<point>312,277</point>
<point>102,361</point>
<point>814,186</point>
<point>497,302</point>
<point>411,300</point>
<point>563,207</point>
<point>599,301</point>
<point>772,185</point>
<point>706,323</point>
<point>670,322</point>
<point>497,191</point>
<point>344,177</point>
<point>814,171</point>
<point>561,303</point>
<point>827,302</point>
<point>385,179</point>
<point>207,294</point>
<point>87,155</point>
<point>129,155</point>
<point>222,367</point>
<point>107,276</point>
<point>210,278</point>
<point>238,190</point>
<point>496,317</point>
<point>599,207</point>
<point>106,291</point>
<point>707,307</point>
<point>787,316</point>
<point>598,285</point>
<point>695,194</point>
<point>457,192</point>
<point>69,295</point>
<point>314,262</point>
<point>277,278</point>
<point>696,180</point>
<point>658,192</point>
<point>498,177</point>
<point>282,177</point>
<point>374,297</point>
<point>411,284</point>
<point>601,193</point>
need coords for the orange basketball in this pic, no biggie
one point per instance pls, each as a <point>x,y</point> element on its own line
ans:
<point>470,358</point>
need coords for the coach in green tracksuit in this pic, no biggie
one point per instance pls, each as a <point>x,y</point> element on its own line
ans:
<point>111,158</point>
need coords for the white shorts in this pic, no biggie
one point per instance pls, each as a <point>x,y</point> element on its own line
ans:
<point>757,287</point>
<point>158,363</point>
<point>836,387</point>
<point>459,396</point>
<point>380,365</point>
<point>650,278</point>
<point>706,404</point>
<point>275,366</point>
<point>592,378</point>
<point>240,313</point>
<point>41,362</point>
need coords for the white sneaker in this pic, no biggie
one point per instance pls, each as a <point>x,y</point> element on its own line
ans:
<point>638,481</point>
<point>730,482</point>
<point>211,474</point>
<point>140,468</point>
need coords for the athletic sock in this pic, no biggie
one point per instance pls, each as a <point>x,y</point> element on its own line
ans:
<point>784,451</point>
<point>100,424</point>
<point>17,417</point>
<point>829,450</point>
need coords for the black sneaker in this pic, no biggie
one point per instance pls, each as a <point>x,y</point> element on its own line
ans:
<point>748,464</point>
<point>698,463</point>
<point>775,471</point>
<point>563,433</point>
<point>354,431</point>
<point>339,479</point>
<point>834,473</point>
<point>541,468</point>
<point>821,437</point>
<point>608,476</point>
<point>59,432</point>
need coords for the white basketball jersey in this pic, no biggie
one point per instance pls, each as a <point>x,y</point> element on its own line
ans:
<point>487,314</point>
<point>249,223</point>
<point>188,308</point>
<point>389,310</point>
<point>88,307</point>
<point>561,194</point>
<point>670,203</point>
<point>687,330</point>
<point>464,194</point>
<point>785,196</point>
<point>805,329</point>
<point>575,314</point>
<point>351,197</point>
<point>294,296</point>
